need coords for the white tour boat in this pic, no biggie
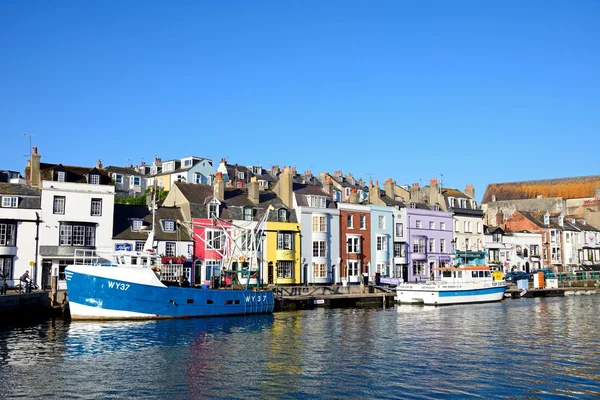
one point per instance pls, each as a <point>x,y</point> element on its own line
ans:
<point>456,285</point>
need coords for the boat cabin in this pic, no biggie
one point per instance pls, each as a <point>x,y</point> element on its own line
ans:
<point>465,274</point>
<point>127,259</point>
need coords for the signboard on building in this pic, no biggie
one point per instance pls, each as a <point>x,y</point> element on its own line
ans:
<point>123,247</point>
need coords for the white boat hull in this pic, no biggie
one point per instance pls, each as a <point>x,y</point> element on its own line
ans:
<point>436,294</point>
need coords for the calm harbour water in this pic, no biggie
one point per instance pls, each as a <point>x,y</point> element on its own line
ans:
<point>526,348</point>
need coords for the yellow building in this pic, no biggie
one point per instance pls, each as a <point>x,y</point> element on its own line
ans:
<point>282,253</point>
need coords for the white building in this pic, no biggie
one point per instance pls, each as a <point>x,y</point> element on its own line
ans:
<point>524,253</point>
<point>77,213</point>
<point>19,212</point>
<point>75,216</point>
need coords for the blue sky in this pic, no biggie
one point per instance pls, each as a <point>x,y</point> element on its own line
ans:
<point>479,91</point>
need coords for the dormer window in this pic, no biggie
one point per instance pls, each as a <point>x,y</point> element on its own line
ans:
<point>11,202</point>
<point>213,209</point>
<point>168,166</point>
<point>169,225</point>
<point>452,202</point>
<point>412,205</point>
<point>282,215</point>
<point>136,225</point>
<point>547,219</point>
<point>60,176</point>
<point>94,179</point>
<point>436,207</point>
<point>187,162</point>
<point>257,170</point>
<point>317,201</point>
<point>463,203</point>
<point>241,175</point>
<point>248,214</point>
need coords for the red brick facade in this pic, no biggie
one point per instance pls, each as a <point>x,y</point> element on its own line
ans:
<point>364,256</point>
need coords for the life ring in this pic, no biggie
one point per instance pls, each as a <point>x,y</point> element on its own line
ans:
<point>156,269</point>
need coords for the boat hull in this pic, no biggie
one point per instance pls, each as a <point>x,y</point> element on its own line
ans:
<point>97,292</point>
<point>436,295</point>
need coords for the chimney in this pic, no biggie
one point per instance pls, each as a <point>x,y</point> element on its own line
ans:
<point>470,191</point>
<point>253,191</point>
<point>354,196</point>
<point>388,186</point>
<point>286,187</point>
<point>375,194</point>
<point>275,170</point>
<point>219,187</point>
<point>337,173</point>
<point>308,174</point>
<point>350,179</point>
<point>499,218</point>
<point>327,184</point>
<point>36,177</point>
<point>414,193</point>
<point>99,164</point>
<point>434,190</point>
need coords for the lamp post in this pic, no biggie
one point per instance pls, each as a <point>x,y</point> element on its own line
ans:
<point>37,241</point>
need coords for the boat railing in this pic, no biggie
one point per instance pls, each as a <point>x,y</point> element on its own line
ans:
<point>174,272</point>
<point>85,257</point>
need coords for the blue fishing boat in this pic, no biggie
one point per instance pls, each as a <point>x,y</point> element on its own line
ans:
<point>128,285</point>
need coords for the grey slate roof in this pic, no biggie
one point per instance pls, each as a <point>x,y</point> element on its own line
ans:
<point>232,206</point>
<point>123,170</point>
<point>73,173</point>
<point>303,190</point>
<point>29,197</point>
<point>125,213</point>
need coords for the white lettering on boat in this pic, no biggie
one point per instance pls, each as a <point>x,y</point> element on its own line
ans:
<point>256,299</point>
<point>118,285</point>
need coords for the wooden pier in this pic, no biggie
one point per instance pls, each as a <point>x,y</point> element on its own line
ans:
<point>309,297</point>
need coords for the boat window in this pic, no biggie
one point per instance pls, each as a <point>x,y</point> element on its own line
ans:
<point>190,301</point>
<point>487,274</point>
<point>122,260</point>
<point>447,274</point>
<point>134,260</point>
<point>473,274</point>
<point>459,274</point>
<point>237,302</point>
<point>481,274</point>
<point>144,259</point>
<point>228,301</point>
<point>209,301</point>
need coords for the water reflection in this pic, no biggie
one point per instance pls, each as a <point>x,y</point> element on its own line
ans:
<point>534,348</point>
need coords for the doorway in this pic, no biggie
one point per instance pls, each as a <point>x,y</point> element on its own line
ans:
<point>46,275</point>
<point>405,273</point>
<point>270,274</point>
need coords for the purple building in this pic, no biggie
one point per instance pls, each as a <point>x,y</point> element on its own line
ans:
<point>422,241</point>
